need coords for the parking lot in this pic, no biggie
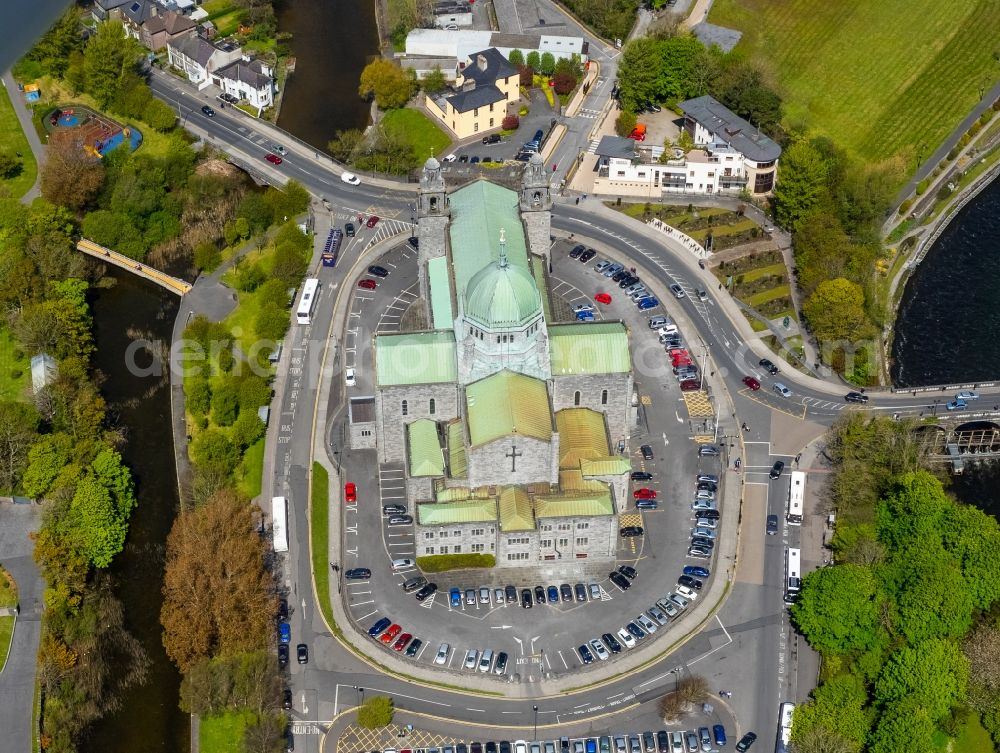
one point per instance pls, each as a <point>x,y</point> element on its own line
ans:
<point>545,640</point>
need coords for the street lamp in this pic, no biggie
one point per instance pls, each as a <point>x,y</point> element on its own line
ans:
<point>534,734</point>
<point>361,694</point>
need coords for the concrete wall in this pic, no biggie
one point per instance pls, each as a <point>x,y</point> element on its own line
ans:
<point>558,538</point>
<point>489,464</point>
<point>591,388</point>
<point>391,421</point>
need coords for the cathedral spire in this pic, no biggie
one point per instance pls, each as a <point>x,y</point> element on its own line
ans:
<point>502,263</point>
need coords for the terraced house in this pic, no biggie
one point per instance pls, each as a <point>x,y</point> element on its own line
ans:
<point>512,428</point>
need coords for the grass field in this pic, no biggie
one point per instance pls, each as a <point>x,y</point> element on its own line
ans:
<point>424,136</point>
<point>973,738</point>
<point>15,373</point>
<point>887,78</point>
<point>13,139</point>
<point>319,532</point>
<point>251,469</point>
<point>223,733</point>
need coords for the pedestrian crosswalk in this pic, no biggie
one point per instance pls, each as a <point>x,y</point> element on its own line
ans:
<point>592,148</point>
<point>389,228</point>
<point>587,112</point>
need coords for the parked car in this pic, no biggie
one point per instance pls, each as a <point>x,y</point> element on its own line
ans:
<point>400,520</point>
<point>442,655</point>
<point>628,571</point>
<point>282,654</point>
<point>626,638</point>
<point>600,650</point>
<point>566,592</point>
<point>552,592</point>
<point>526,598</point>
<point>576,251</point>
<point>501,664</point>
<point>367,284</point>
<point>492,139</point>
<point>378,271</point>
<point>402,641</point>
<point>585,656</point>
<point>719,733</point>
<point>647,452</point>
<point>284,632</point>
<point>350,492</point>
<point>414,648</point>
<point>697,571</point>
<point>357,573</point>
<point>688,582</point>
<point>603,298</point>
<point>628,532</point>
<point>391,634</point>
<point>644,493</point>
<point>426,592</point>
<point>647,303</point>
<point>612,643</point>
<point>620,580</point>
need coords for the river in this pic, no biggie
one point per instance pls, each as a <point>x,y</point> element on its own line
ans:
<point>332,41</point>
<point>149,719</point>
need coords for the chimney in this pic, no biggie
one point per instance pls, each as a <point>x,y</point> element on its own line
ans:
<point>481,62</point>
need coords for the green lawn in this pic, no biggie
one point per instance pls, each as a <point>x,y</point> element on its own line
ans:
<point>8,589</point>
<point>770,269</point>
<point>973,738</point>
<point>12,138</point>
<point>319,532</point>
<point>847,71</point>
<point>768,295</point>
<point>223,733</point>
<point>422,133</point>
<point>15,373</point>
<point>251,469</point>
<point>6,636</point>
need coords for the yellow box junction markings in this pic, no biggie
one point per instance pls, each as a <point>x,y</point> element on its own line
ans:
<point>698,404</point>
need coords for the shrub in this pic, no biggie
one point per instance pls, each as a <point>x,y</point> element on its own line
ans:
<point>905,206</point>
<point>439,563</point>
<point>921,187</point>
<point>625,123</point>
<point>523,111</point>
<point>207,256</point>
<point>563,82</point>
<point>516,58</point>
<point>376,713</point>
<point>511,123</point>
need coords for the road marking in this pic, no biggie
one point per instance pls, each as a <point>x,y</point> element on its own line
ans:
<point>565,665</point>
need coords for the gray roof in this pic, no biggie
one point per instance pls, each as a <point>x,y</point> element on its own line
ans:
<point>195,47</point>
<point>516,41</point>
<point>496,67</point>
<point>138,11</point>
<point>616,146</point>
<point>250,73</point>
<point>110,4</point>
<point>171,22</point>
<point>729,127</point>
<point>481,96</point>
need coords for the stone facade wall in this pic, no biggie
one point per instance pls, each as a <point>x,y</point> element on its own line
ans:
<point>466,536</point>
<point>592,538</point>
<point>538,462</point>
<point>391,421</point>
<point>517,548</point>
<point>420,489</point>
<point>591,387</point>
<point>539,228</point>
<point>362,436</point>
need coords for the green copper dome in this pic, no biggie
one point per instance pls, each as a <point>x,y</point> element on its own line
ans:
<point>501,295</point>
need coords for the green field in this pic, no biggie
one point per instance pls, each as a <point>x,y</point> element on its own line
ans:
<point>223,733</point>
<point>12,138</point>
<point>423,134</point>
<point>319,534</point>
<point>881,79</point>
<point>15,371</point>
<point>251,469</point>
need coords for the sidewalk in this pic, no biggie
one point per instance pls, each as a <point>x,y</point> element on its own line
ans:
<point>24,118</point>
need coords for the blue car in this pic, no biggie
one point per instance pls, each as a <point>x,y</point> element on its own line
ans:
<point>379,627</point>
<point>647,303</point>
<point>696,571</point>
<point>585,316</point>
<point>591,745</point>
<point>284,632</point>
<point>456,597</point>
<point>553,594</point>
<point>720,735</point>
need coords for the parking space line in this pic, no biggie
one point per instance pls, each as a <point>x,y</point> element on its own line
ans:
<point>365,617</point>
<point>565,665</point>
<point>362,603</point>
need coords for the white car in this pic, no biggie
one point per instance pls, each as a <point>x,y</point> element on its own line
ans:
<point>442,655</point>
<point>349,377</point>
<point>967,395</point>
<point>627,639</point>
<point>583,307</point>
<point>705,523</point>
<point>782,389</point>
<point>470,658</point>
<point>598,648</point>
<point>484,595</point>
<point>403,564</point>
<point>667,329</point>
<point>687,593</point>
<point>350,178</point>
<point>450,158</point>
<point>520,746</point>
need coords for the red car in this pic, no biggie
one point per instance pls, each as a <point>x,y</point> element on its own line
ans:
<point>681,361</point>
<point>644,493</point>
<point>372,221</point>
<point>679,352</point>
<point>603,298</point>
<point>274,159</point>
<point>690,385</point>
<point>367,284</point>
<point>752,383</point>
<point>391,634</point>
<point>350,492</point>
<point>401,642</point>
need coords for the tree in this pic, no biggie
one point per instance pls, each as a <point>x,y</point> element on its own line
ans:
<point>265,733</point>
<point>217,596</point>
<point>97,526</point>
<point>625,123</point>
<point>933,675</point>
<point>693,689</point>
<point>109,59</point>
<point>18,431</point>
<point>345,143</point>
<point>207,256</point>
<point>213,450</point>
<point>640,72</point>
<point>271,322</point>
<point>534,60</point>
<point>838,609</point>
<point>743,90</point>
<point>973,538</point>
<point>510,122</point>
<point>836,313</point>
<point>547,63</point>
<point>932,598</point>
<point>247,429</point>
<point>516,58</point>
<point>801,183</point>
<point>225,404</point>
<point>46,458</point>
<point>912,512</point>
<point>563,82</point>
<point>904,727</point>
<point>198,396</point>
<point>54,49</point>
<point>376,713</point>
<point>822,250</point>
<point>839,708</point>
<point>820,740</point>
<point>289,264</point>
<point>390,84</point>
<point>70,177</point>
<point>159,115</point>
<point>10,164</point>
<point>434,81</point>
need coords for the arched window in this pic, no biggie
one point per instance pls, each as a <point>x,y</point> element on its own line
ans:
<point>576,397</point>
<point>604,397</point>
<point>405,408</point>
<point>431,406</point>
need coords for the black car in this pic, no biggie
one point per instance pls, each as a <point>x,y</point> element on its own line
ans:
<point>577,250</point>
<point>662,741</point>
<point>540,594</point>
<point>286,699</point>
<point>476,747</point>
<point>494,139</point>
<point>702,542</point>
<point>641,476</point>
<point>566,592</point>
<point>620,580</point>
<point>538,135</point>
<point>772,525</point>
<point>625,282</point>
<point>649,742</point>
<point>414,647</point>
<point>587,255</point>
<point>647,452</point>
<point>629,532</point>
<point>777,469</point>
<point>709,514</point>
<point>612,643</point>
<point>302,653</point>
<point>472,161</point>
<point>707,486</point>
<point>635,631</point>
<point>628,571</point>
<point>349,229</point>
<point>393,509</point>
<point>581,592</point>
<point>358,573</point>
<point>282,654</point>
<point>464,158</point>
<point>619,276</point>
<point>424,593</point>
<point>770,368</point>
<point>378,271</point>
<point>687,580</point>
<point>526,598</point>
<point>282,610</point>
<point>208,111</point>
<point>856,397</point>
<point>746,741</point>
<point>414,242</point>
<point>461,748</point>
<point>501,664</point>
<point>491,747</point>
<point>504,746</point>
<point>585,656</point>
<point>511,593</point>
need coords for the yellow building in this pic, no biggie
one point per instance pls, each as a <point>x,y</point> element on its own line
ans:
<point>485,88</point>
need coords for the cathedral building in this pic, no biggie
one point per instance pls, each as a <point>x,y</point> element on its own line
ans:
<point>513,428</point>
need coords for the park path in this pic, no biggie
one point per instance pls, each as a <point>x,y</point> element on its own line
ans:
<point>24,118</point>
